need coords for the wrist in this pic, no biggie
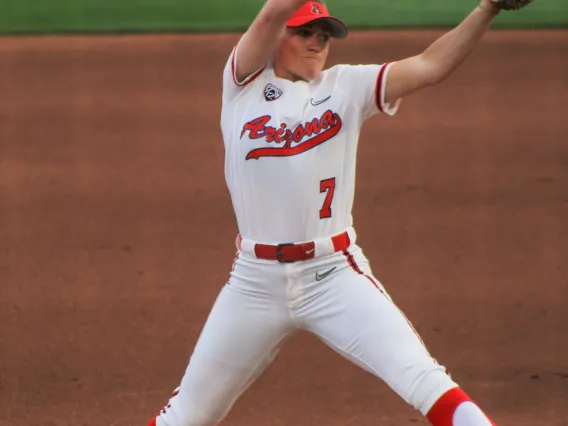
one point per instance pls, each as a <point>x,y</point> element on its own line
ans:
<point>489,6</point>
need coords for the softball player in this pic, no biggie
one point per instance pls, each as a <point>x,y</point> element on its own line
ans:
<point>291,131</point>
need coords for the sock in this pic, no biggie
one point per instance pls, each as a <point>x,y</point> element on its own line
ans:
<point>455,408</point>
<point>469,414</point>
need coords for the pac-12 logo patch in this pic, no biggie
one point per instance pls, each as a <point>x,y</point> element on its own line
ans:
<point>271,92</point>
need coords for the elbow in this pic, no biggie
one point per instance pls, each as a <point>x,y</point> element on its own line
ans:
<point>438,77</point>
<point>434,71</point>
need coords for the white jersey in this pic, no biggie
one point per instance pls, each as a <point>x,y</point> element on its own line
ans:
<point>291,148</point>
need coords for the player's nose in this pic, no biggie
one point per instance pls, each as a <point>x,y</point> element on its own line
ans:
<point>315,44</point>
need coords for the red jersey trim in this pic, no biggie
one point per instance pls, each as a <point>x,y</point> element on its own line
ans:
<point>380,89</point>
<point>247,80</point>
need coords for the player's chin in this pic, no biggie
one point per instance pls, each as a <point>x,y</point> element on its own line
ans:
<point>313,71</point>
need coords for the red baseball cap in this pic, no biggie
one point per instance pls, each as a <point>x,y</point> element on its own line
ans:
<point>313,11</point>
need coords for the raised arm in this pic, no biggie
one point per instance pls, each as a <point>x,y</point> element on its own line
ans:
<point>261,39</point>
<point>442,57</point>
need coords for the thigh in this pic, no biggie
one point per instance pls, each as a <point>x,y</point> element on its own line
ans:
<point>242,335</point>
<point>365,326</point>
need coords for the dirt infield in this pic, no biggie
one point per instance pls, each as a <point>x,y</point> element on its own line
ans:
<point>116,231</point>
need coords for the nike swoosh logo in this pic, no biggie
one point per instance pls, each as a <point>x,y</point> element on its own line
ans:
<point>320,277</point>
<point>310,251</point>
<point>319,102</point>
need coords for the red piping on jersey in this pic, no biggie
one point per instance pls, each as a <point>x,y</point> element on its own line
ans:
<point>250,78</point>
<point>379,91</point>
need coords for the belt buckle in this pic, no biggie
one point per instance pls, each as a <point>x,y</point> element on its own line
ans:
<point>279,254</point>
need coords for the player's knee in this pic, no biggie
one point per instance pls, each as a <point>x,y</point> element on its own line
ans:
<point>427,385</point>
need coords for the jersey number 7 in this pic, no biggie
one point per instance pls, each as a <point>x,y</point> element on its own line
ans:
<point>328,186</point>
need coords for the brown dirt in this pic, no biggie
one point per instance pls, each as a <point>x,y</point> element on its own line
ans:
<point>117,230</point>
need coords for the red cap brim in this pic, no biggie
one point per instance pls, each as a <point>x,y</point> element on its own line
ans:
<point>313,12</point>
<point>337,26</point>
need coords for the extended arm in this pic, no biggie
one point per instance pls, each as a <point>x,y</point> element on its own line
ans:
<point>261,39</point>
<point>442,57</point>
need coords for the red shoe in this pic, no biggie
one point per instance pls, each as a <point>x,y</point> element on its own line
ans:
<point>152,422</point>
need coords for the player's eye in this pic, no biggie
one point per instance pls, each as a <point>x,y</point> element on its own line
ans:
<point>305,33</point>
<point>325,37</point>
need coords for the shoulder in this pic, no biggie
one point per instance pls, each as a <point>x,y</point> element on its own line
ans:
<point>351,72</point>
<point>233,87</point>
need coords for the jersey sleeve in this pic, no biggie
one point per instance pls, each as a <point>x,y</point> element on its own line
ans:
<point>365,86</point>
<point>232,87</point>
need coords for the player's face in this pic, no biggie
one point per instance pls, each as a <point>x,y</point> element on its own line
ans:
<point>302,52</point>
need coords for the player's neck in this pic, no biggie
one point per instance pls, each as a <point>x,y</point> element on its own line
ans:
<point>288,75</point>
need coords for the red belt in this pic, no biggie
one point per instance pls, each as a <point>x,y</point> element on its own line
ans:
<point>289,252</point>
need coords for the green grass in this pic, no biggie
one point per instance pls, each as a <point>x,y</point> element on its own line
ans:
<point>443,13</point>
<point>62,16</point>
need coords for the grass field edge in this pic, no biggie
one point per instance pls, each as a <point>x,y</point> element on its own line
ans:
<point>239,29</point>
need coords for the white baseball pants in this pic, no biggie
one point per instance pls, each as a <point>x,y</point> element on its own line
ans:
<point>334,297</point>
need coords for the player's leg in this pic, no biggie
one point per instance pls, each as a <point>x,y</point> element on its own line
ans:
<point>243,333</point>
<point>367,328</point>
